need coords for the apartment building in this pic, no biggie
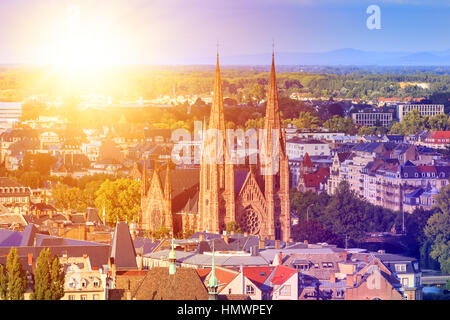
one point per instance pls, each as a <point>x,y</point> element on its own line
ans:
<point>370,119</point>
<point>424,109</point>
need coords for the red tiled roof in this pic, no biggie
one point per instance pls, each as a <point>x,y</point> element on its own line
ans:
<point>439,135</point>
<point>306,162</point>
<point>426,169</point>
<point>224,276</point>
<point>282,274</point>
<point>314,179</point>
<point>258,275</point>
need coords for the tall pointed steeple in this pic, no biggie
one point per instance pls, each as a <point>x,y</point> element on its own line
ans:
<point>212,172</point>
<point>275,166</point>
<point>213,283</point>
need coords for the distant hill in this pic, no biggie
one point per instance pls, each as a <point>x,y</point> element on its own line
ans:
<point>340,57</point>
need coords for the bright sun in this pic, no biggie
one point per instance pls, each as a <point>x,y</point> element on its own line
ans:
<point>87,43</point>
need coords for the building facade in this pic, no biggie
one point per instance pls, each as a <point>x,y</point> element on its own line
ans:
<point>429,110</point>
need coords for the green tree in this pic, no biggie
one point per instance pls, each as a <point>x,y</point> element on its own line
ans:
<point>67,198</point>
<point>48,277</point>
<point>17,280</point>
<point>344,214</point>
<point>438,231</point>
<point>314,232</point>
<point>306,120</point>
<point>57,279</point>
<point>121,199</point>
<point>42,277</point>
<point>233,226</point>
<point>3,283</point>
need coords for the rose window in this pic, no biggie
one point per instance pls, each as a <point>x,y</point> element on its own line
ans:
<point>249,222</point>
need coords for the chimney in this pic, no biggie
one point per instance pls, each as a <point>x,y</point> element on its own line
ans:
<point>277,244</point>
<point>261,244</point>
<point>280,255</point>
<point>305,241</point>
<point>333,278</point>
<point>112,266</point>
<point>344,255</point>
<point>381,251</point>
<point>291,241</point>
<point>85,255</point>
<point>201,237</point>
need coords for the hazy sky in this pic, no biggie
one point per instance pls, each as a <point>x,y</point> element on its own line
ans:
<point>176,31</point>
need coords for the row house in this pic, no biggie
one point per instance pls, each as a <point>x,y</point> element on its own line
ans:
<point>14,195</point>
<point>437,139</point>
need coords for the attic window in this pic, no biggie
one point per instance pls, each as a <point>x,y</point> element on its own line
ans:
<point>250,290</point>
<point>262,274</point>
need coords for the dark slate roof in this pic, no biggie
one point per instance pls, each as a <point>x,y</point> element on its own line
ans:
<point>28,235</point>
<point>390,260</point>
<point>415,194</point>
<point>42,207</point>
<point>122,247</point>
<point>239,179</point>
<point>146,244</point>
<point>24,241</point>
<point>206,246</point>
<point>185,184</point>
<point>375,147</point>
<point>92,216</point>
<point>239,242</point>
<point>158,284</point>
<point>206,235</point>
<point>77,218</point>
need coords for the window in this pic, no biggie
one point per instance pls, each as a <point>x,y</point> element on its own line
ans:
<point>250,290</point>
<point>83,297</point>
<point>316,266</point>
<point>95,297</point>
<point>400,267</point>
<point>327,264</point>
<point>285,290</point>
<point>71,297</point>
<point>405,282</point>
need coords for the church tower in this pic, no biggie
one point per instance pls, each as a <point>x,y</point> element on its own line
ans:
<point>216,171</point>
<point>275,166</point>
